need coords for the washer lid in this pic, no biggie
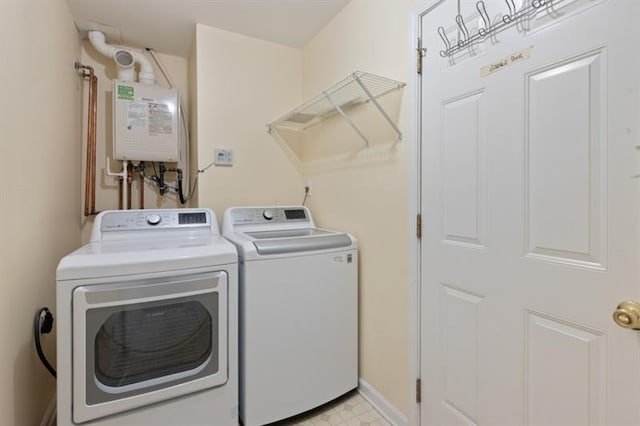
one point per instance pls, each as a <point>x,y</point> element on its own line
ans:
<point>297,240</point>
<point>288,233</point>
<point>259,232</point>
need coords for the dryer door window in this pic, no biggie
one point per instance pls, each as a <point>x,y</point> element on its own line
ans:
<point>135,347</point>
<point>140,342</point>
<point>146,341</point>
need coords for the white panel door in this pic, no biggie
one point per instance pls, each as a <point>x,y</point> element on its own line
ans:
<point>529,162</point>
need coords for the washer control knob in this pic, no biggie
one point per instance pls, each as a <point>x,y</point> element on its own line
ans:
<point>154,219</point>
<point>267,214</point>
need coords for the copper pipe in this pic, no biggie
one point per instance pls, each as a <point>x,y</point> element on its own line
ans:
<point>94,111</point>
<point>87,179</point>
<point>92,114</point>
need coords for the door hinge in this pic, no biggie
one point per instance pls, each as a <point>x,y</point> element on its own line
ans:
<point>420,52</point>
<point>418,390</point>
<point>419,226</point>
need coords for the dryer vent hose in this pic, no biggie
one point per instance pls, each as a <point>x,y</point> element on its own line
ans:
<point>43,324</point>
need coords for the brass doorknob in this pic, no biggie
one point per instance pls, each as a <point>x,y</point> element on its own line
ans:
<point>627,315</point>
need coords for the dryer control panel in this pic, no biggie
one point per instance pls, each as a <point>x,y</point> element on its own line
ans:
<point>263,215</point>
<point>140,220</point>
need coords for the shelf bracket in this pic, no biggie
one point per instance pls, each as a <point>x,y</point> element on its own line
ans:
<point>346,118</point>
<point>377,104</point>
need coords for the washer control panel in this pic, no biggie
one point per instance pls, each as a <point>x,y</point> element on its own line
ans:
<point>256,215</point>
<point>137,220</point>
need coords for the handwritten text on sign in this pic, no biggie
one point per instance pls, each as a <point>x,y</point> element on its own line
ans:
<point>506,61</point>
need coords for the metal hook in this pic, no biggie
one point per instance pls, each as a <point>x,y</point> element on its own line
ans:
<point>522,13</point>
<point>537,4</point>
<point>463,29</point>
<point>445,40</point>
<point>512,11</point>
<point>482,10</point>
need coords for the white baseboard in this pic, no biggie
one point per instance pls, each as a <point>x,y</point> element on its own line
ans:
<point>380,403</point>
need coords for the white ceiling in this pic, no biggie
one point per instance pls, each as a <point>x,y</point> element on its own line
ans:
<point>167,25</point>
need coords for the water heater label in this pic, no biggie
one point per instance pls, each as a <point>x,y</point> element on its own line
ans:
<point>137,115</point>
<point>125,92</point>
<point>160,119</point>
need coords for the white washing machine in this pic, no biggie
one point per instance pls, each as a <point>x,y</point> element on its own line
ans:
<point>298,311</point>
<point>147,322</point>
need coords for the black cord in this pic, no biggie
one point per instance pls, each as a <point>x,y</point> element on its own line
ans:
<point>306,192</point>
<point>180,193</point>
<point>43,324</point>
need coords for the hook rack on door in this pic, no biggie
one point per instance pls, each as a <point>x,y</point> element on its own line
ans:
<point>466,39</point>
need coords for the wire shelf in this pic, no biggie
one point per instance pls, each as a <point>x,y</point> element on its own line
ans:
<point>358,88</point>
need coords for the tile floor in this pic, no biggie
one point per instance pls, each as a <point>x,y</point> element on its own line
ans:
<point>349,410</point>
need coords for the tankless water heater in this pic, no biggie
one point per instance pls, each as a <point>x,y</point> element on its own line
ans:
<point>145,122</point>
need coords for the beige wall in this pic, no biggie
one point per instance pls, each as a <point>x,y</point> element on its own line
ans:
<point>40,191</point>
<point>364,191</point>
<point>242,84</point>
<point>107,187</point>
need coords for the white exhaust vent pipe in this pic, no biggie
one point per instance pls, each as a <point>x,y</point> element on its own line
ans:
<point>125,63</point>
<point>125,58</point>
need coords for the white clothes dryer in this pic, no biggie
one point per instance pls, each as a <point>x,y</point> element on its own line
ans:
<point>147,322</point>
<point>298,311</point>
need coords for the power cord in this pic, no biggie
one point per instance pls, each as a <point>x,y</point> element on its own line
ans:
<point>43,324</point>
